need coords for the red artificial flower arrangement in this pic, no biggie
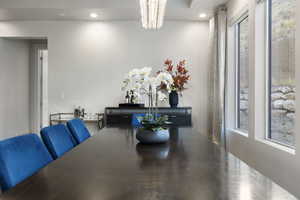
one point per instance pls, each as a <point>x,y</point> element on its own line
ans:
<point>179,74</point>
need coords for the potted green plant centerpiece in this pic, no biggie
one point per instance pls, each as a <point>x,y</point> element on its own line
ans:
<point>153,130</point>
<point>153,126</point>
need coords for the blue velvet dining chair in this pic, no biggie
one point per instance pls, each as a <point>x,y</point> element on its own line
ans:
<point>135,121</point>
<point>58,140</point>
<point>78,130</point>
<point>21,157</point>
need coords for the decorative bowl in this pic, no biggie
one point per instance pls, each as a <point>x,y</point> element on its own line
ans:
<point>152,137</point>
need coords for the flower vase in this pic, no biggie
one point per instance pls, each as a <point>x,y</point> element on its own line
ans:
<point>173,99</point>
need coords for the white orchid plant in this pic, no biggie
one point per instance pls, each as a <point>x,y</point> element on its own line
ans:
<point>141,83</point>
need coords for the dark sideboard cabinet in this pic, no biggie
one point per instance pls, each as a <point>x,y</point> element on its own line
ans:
<point>122,116</point>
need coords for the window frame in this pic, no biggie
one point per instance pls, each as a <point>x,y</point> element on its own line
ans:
<point>268,77</point>
<point>237,72</point>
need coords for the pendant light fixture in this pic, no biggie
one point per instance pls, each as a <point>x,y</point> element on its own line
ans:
<point>153,13</point>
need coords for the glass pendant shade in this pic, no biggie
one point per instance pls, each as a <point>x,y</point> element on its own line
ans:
<point>153,13</point>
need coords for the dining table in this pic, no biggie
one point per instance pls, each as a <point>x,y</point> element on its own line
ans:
<point>113,165</point>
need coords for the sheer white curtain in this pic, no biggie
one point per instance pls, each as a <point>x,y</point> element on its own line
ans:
<point>218,48</point>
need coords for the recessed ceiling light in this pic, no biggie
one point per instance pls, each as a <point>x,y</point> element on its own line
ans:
<point>94,15</point>
<point>203,15</point>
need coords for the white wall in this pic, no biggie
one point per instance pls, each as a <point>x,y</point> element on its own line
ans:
<point>14,87</point>
<point>280,164</point>
<point>88,60</point>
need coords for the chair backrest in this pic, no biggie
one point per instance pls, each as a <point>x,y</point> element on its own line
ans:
<point>78,130</point>
<point>135,121</point>
<point>21,157</point>
<point>58,140</point>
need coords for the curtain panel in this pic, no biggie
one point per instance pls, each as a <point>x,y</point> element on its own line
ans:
<point>218,62</point>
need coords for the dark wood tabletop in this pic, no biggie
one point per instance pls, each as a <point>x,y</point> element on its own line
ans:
<point>112,166</point>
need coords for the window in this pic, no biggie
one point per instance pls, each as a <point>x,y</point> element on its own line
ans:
<point>281,71</point>
<point>242,74</point>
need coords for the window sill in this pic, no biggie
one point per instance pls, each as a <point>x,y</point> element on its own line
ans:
<point>278,146</point>
<point>266,142</point>
<point>239,132</point>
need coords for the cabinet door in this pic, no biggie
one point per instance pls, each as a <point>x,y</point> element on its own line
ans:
<point>118,119</point>
<point>180,120</point>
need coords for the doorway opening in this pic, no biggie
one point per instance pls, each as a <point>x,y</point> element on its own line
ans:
<point>23,85</point>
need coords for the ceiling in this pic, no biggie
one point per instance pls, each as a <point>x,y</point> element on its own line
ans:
<point>106,9</point>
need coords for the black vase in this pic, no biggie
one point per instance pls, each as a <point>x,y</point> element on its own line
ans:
<point>173,99</point>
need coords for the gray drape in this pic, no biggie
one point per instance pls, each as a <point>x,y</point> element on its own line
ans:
<point>218,48</point>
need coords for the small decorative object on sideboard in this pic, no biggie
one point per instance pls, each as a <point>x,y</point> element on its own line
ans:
<point>173,99</point>
<point>79,112</point>
<point>180,79</point>
<point>132,97</point>
<point>127,97</point>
